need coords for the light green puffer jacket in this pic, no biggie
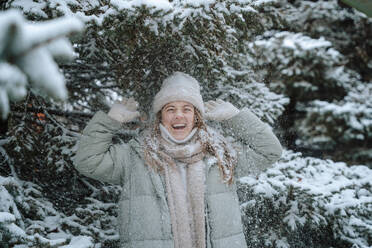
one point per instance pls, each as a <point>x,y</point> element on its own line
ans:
<point>144,217</point>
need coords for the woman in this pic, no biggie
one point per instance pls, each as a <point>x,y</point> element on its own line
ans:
<point>178,177</point>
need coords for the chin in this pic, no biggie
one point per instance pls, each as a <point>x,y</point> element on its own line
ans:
<point>179,137</point>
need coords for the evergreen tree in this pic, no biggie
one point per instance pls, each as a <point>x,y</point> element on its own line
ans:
<point>303,63</point>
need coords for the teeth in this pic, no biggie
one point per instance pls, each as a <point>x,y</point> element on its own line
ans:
<point>179,125</point>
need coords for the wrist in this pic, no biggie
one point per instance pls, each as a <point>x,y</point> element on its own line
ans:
<point>107,121</point>
<point>232,113</point>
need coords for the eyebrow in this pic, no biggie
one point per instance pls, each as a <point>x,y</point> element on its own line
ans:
<point>184,106</point>
<point>169,106</point>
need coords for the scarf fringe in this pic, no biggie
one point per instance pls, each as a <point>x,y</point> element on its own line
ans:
<point>212,143</point>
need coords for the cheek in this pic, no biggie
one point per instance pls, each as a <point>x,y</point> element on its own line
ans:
<point>165,119</point>
<point>191,119</point>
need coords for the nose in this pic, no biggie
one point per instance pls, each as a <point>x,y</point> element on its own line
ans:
<point>179,114</point>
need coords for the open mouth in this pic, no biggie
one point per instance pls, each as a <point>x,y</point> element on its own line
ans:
<point>179,126</point>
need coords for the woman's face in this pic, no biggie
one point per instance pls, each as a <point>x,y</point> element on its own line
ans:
<point>178,118</point>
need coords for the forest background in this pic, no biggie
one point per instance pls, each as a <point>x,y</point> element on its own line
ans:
<point>304,67</point>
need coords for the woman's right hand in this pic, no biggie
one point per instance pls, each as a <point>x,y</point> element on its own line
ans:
<point>124,111</point>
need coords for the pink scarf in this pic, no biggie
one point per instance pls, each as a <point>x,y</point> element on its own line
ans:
<point>184,175</point>
<point>186,200</point>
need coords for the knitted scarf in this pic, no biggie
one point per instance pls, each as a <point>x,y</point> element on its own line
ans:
<point>184,174</point>
<point>185,185</point>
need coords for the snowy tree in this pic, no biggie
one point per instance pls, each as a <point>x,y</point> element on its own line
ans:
<point>308,202</point>
<point>345,124</point>
<point>304,63</point>
<point>324,55</point>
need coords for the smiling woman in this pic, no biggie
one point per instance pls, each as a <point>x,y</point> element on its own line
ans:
<point>178,118</point>
<point>177,176</point>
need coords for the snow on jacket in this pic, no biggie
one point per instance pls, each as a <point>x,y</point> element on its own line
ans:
<point>144,218</point>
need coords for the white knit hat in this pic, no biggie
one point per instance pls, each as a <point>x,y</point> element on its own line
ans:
<point>179,87</point>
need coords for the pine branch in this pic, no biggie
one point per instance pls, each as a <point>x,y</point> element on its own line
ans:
<point>10,33</point>
<point>15,57</point>
<point>53,111</point>
<point>7,160</point>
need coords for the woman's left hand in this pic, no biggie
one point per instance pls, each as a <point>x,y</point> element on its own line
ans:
<point>220,110</point>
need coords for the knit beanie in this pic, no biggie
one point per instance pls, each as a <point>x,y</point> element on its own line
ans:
<point>179,87</point>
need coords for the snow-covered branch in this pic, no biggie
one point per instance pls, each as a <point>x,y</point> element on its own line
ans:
<point>26,56</point>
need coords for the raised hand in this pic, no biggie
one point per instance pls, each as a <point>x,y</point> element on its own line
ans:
<point>124,111</point>
<point>220,110</point>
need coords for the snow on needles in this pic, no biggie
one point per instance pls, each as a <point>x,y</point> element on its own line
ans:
<point>27,51</point>
<point>157,4</point>
<point>318,193</point>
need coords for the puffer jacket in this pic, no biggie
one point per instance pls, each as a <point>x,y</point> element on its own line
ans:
<point>144,218</point>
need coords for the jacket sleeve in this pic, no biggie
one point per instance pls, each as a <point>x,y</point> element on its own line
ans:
<point>260,147</point>
<point>97,157</point>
